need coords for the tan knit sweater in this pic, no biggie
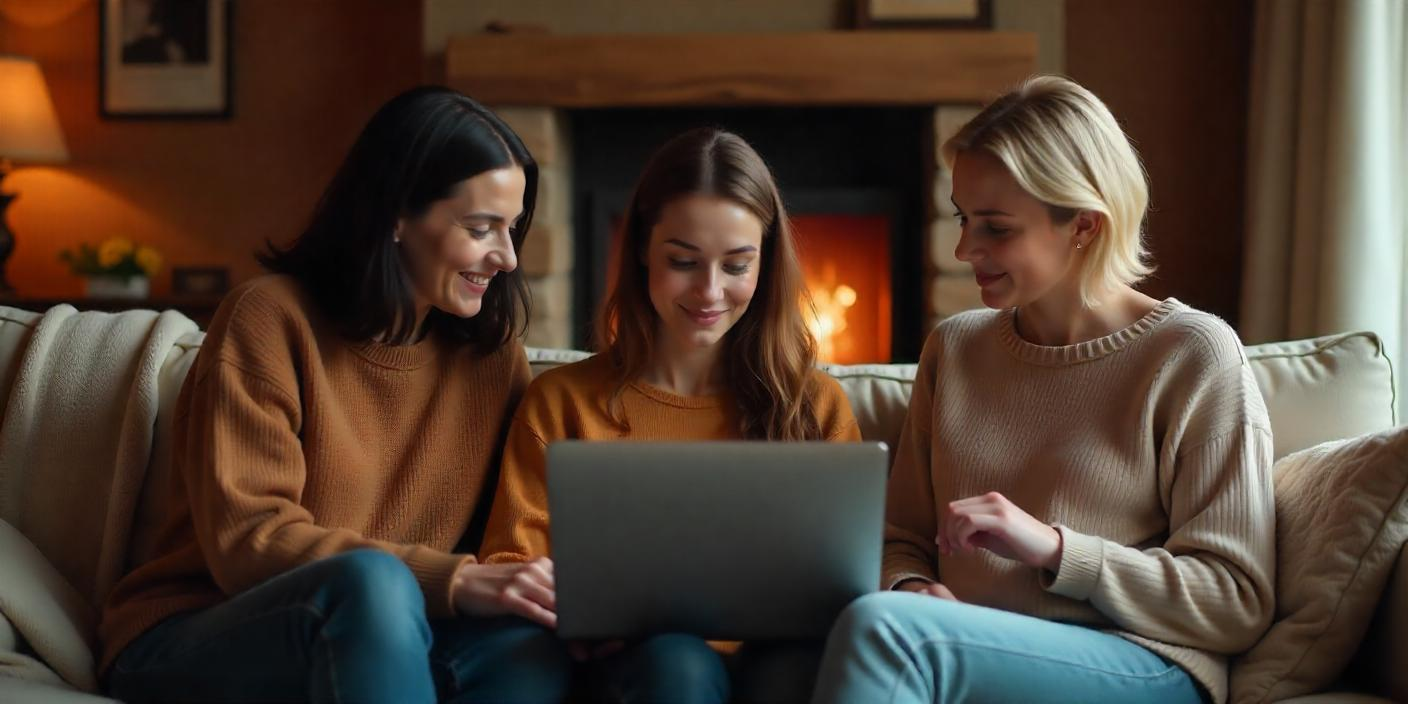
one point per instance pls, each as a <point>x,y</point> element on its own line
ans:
<point>293,444</point>
<point>1149,448</point>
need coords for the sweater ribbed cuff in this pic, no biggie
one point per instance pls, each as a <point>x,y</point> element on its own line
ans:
<point>894,580</point>
<point>435,572</point>
<point>1082,557</point>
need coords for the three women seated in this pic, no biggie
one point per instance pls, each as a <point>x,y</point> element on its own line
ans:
<point>1079,507</point>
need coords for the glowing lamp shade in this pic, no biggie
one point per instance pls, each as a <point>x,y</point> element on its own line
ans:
<point>29,129</point>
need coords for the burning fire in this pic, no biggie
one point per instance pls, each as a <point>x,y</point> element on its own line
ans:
<point>830,319</point>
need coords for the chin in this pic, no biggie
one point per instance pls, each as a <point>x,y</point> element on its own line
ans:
<point>691,336</point>
<point>463,310</point>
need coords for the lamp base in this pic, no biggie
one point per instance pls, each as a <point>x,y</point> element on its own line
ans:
<point>7,238</point>
<point>7,242</point>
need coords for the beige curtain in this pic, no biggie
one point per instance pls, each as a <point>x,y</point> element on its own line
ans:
<point>1327,227</point>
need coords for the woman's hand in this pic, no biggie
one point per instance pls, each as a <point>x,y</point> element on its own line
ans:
<point>521,588</point>
<point>924,586</point>
<point>994,523</point>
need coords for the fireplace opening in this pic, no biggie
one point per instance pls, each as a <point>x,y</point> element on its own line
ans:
<point>852,181</point>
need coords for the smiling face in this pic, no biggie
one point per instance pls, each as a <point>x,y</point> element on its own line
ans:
<point>1018,254</point>
<point>702,261</point>
<point>454,250</point>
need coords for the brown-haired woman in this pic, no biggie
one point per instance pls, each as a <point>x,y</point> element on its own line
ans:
<point>702,339</point>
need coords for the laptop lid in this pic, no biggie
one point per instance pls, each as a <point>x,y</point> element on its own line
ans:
<point>726,540</point>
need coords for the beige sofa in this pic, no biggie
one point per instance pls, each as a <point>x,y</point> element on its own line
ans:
<point>1316,390</point>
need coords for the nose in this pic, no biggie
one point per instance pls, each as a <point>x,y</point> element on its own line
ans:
<point>708,286</point>
<point>502,256</point>
<point>965,250</point>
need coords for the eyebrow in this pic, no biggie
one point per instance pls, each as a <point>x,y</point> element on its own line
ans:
<point>990,211</point>
<point>737,250</point>
<point>491,217</point>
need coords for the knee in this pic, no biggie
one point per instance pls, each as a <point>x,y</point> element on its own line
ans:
<point>865,616</point>
<point>372,575</point>
<point>373,590</point>
<point>687,662</point>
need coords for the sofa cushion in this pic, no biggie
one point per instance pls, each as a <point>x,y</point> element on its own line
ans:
<point>1326,388</point>
<point>16,327</point>
<point>879,396</point>
<point>1341,522</point>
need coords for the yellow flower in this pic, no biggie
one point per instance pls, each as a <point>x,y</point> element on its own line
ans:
<point>112,252</point>
<point>149,260</point>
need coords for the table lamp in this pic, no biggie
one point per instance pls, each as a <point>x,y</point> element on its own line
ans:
<point>29,134</point>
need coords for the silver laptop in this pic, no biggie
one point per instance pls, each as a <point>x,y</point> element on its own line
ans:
<point>726,540</point>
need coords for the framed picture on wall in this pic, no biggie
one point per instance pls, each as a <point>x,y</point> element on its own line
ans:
<point>918,14</point>
<point>165,58</point>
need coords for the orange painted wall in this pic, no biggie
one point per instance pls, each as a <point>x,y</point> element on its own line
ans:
<point>308,74</point>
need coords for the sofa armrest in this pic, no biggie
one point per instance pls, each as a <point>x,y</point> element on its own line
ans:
<point>1385,648</point>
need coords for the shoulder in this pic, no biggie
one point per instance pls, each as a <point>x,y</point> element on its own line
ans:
<point>825,390</point>
<point>966,324</point>
<point>557,399</point>
<point>577,382</point>
<point>1198,339</point>
<point>266,305</point>
<point>957,332</point>
<point>261,327</point>
<point>830,403</point>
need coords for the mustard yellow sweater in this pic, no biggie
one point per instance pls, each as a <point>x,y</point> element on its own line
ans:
<point>293,444</point>
<point>570,403</point>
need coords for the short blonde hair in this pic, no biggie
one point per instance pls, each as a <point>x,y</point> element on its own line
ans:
<point>1064,147</point>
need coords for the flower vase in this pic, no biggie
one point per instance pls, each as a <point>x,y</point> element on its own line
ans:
<point>120,287</point>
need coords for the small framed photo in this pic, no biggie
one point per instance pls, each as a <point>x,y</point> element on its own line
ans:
<point>165,58</point>
<point>200,281</point>
<point>918,14</point>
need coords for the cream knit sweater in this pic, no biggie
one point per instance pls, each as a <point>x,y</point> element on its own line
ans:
<point>1151,451</point>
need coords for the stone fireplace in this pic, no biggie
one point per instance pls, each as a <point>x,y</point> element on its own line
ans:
<point>872,217</point>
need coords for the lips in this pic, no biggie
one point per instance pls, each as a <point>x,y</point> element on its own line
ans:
<point>984,280</point>
<point>704,318</point>
<point>475,283</point>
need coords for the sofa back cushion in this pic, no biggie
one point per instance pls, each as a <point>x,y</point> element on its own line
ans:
<point>1325,388</point>
<point>1316,390</point>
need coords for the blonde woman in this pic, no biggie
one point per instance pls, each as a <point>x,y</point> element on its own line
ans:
<point>1080,507</point>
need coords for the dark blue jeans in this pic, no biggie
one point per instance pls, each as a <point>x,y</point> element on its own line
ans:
<point>350,628</point>
<point>671,668</point>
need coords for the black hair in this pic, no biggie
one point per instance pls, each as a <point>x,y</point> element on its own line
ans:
<point>413,152</point>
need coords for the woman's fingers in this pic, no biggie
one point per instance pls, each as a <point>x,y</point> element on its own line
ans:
<point>976,525</point>
<point>532,587</point>
<point>520,606</point>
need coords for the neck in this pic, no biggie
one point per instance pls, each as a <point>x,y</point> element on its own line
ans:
<point>1060,318</point>
<point>686,371</point>
<point>418,332</point>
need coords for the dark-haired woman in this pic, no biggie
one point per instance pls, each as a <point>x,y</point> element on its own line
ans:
<point>337,436</point>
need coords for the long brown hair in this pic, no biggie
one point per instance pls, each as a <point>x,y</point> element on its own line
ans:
<point>769,354</point>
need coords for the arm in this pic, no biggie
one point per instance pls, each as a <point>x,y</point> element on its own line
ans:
<point>518,523</point>
<point>1209,585</point>
<point>242,462</point>
<point>910,524</point>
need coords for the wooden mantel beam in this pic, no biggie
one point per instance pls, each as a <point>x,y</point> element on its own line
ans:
<point>816,68</point>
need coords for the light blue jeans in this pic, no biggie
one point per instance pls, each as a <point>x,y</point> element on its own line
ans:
<point>904,647</point>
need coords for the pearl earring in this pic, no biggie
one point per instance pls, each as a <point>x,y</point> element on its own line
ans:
<point>1077,245</point>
